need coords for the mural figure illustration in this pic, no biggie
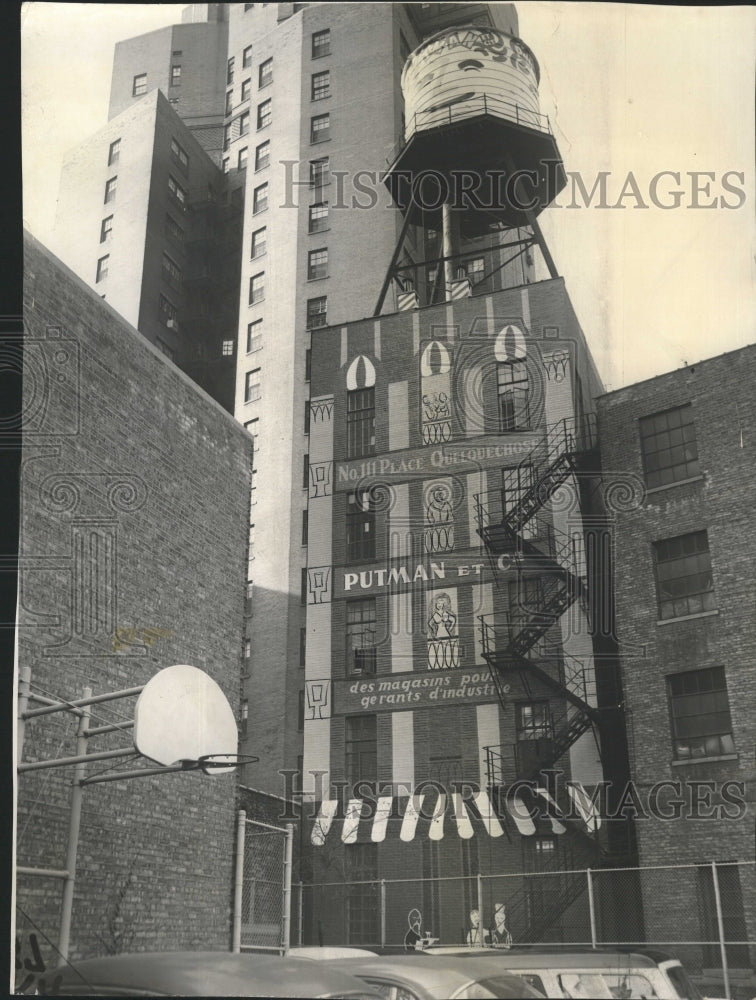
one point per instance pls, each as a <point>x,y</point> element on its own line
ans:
<point>477,936</point>
<point>439,508</point>
<point>413,937</point>
<point>500,934</point>
<point>442,623</point>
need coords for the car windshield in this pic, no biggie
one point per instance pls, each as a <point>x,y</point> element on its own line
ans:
<point>685,988</point>
<point>485,989</point>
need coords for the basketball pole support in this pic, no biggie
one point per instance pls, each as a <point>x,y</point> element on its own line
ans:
<point>74,824</point>
<point>288,857</point>
<point>241,831</point>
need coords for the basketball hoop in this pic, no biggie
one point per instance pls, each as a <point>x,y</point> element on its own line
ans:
<point>210,762</point>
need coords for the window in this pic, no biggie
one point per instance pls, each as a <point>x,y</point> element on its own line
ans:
<point>305,525</point>
<point>254,336</point>
<point>474,269</point>
<point>361,423</point>
<point>173,230</point>
<point>302,646</point>
<point>106,229</point>
<point>251,550</point>
<point>513,395</point>
<point>178,155</point>
<point>319,172</point>
<point>102,267</point>
<point>684,582</point>
<point>308,364</point>
<point>227,349</point>
<point>247,57</point>
<point>244,715</point>
<point>699,711</point>
<point>114,152</point>
<point>360,525</point>
<point>360,749</point>
<point>253,427</point>
<point>321,43</point>
<point>140,85</point>
<point>320,128</point>
<point>175,76</point>
<point>260,199</point>
<point>360,636</point>
<point>320,86</point>
<point>244,124</point>
<point>317,312</point>
<point>246,89</point>
<point>306,472</point>
<point>307,416</point>
<point>110,189</point>
<point>301,711</point>
<point>264,113</point>
<point>242,161</point>
<point>258,243</point>
<point>230,71</point>
<point>226,137</point>
<point>257,287</point>
<point>252,389</point>
<point>177,192</point>
<point>229,102</point>
<point>533,720</point>
<point>253,489</point>
<point>363,904</point>
<point>225,165</point>
<point>168,312</point>
<point>669,447</point>
<point>171,271</point>
<point>262,155</point>
<point>318,221</point>
<point>265,73</point>
<point>248,597</point>
<point>317,263</point>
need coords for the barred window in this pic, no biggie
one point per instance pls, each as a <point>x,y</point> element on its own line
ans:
<point>361,422</point>
<point>318,219</point>
<point>360,636</point>
<point>360,525</point>
<point>320,86</point>
<point>320,128</point>
<point>684,582</point>
<point>669,447</point>
<point>317,312</point>
<point>699,711</point>
<point>317,263</point>
<point>512,377</point>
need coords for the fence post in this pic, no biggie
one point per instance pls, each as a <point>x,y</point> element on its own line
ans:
<point>383,913</point>
<point>591,907</point>
<point>301,913</point>
<point>720,928</point>
<point>479,880</point>
<point>74,823</point>
<point>241,829</point>
<point>288,858</point>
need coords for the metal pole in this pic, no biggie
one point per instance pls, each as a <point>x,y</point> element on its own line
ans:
<point>591,907</point>
<point>383,913</point>
<point>287,885</point>
<point>24,682</point>
<point>81,702</point>
<point>479,880</point>
<point>39,765</point>
<point>74,822</point>
<point>720,928</point>
<point>450,244</point>
<point>301,913</point>
<point>241,829</point>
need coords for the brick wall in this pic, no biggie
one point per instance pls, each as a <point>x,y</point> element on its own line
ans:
<point>135,499</point>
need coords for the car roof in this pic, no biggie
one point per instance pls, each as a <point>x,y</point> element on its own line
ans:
<point>565,958</point>
<point>208,973</point>
<point>441,977</point>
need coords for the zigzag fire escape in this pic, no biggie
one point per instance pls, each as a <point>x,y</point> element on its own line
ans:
<point>519,535</point>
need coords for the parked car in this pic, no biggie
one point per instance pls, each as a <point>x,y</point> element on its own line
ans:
<point>415,977</point>
<point>325,952</point>
<point>597,973</point>
<point>208,973</point>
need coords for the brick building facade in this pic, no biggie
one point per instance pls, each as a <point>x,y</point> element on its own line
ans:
<point>135,499</point>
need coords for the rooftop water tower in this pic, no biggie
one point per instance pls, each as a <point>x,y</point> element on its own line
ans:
<point>477,156</point>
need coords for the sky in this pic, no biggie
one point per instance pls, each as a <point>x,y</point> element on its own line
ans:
<point>632,91</point>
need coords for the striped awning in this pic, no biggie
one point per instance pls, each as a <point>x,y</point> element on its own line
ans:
<point>451,812</point>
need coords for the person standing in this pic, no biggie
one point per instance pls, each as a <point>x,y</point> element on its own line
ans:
<point>500,934</point>
<point>477,936</point>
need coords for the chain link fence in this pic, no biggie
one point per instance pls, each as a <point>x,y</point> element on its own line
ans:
<point>704,914</point>
<point>262,897</point>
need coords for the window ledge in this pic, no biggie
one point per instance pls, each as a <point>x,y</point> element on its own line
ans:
<point>688,618</point>
<point>704,760</point>
<point>323,277</point>
<point>670,486</point>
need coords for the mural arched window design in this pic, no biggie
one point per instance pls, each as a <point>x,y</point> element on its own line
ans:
<point>442,630</point>
<point>512,379</point>
<point>435,393</point>
<point>438,517</point>
<point>360,384</point>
